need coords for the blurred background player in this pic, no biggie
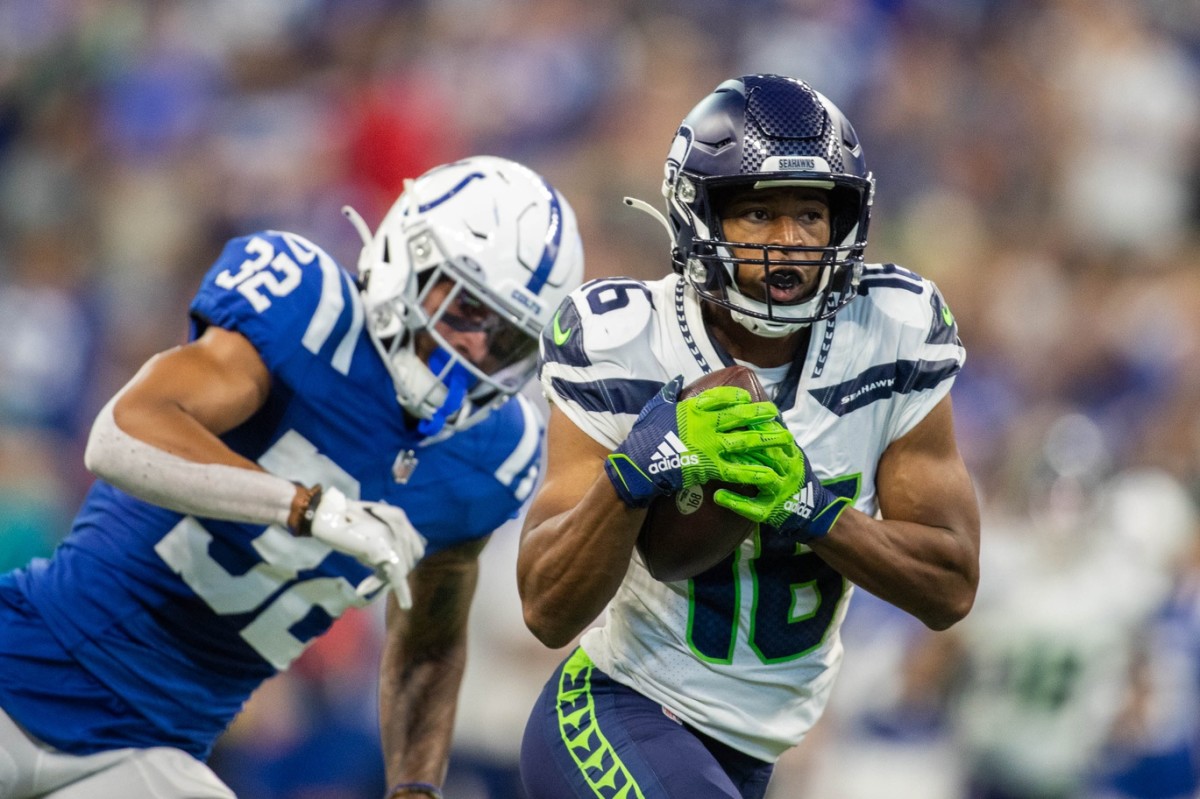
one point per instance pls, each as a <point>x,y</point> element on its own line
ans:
<point>1057,653</point>
<point>695,688</point>
<point>318,439</point>
<point>1063,682</point>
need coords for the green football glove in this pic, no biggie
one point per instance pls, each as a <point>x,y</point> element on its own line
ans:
<point>797,505</point>
<point>712,436</point>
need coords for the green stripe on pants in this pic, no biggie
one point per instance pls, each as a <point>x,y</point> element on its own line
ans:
<point>606,775</point>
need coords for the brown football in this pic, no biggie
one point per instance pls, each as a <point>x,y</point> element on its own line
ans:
<point>688,533</point>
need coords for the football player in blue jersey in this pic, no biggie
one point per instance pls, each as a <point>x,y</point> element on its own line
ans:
<point>320,439</point>
<point>694,688</point>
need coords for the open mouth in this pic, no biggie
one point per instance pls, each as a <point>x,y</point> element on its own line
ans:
<point>785,286</point>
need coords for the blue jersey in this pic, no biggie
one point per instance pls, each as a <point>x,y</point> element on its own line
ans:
<point>174,620</point>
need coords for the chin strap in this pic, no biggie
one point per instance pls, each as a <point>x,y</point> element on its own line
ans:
<point>766,328</point>
<point>458,381</point>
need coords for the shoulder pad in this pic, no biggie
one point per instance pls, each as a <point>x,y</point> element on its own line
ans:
<point>600,316</point>
<point>280,291</point>
<point>910,300</point>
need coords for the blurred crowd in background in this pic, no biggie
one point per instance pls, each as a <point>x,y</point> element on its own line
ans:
<point>1038,159</point>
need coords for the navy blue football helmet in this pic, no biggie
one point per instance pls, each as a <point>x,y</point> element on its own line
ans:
<point>762,131</point>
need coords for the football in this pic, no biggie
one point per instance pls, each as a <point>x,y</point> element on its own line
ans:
<point>686,534</point>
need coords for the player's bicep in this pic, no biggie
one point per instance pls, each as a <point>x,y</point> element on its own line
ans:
<point>922,477</point>
<point>574,461</point>
<point>219,381</point>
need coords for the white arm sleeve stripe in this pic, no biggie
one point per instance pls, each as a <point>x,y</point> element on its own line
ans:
<point>200,489</point>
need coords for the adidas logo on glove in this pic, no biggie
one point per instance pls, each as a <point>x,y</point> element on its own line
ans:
<point>671,454</point>
<point>802,502</point>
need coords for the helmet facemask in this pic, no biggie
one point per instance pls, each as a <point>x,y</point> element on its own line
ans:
<point>459,281</point>
<point>710,265</point>
<point>763,132</point>
<point>435,379</point>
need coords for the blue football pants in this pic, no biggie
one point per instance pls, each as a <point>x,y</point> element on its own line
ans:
<point>591,737</point>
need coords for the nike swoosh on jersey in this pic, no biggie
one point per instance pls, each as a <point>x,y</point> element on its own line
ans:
<point>560,335</point>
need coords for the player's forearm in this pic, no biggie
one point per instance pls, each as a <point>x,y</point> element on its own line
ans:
<point>930,572</point>
<point>423,663</point>
<point>159,438</point>
<point>225,486</point>
<point>417,708</point>
<point>572,563</point>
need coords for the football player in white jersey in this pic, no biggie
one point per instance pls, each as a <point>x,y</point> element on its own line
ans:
<point>322,437</point>
<point>694,688</point>
<point>1076,571</point>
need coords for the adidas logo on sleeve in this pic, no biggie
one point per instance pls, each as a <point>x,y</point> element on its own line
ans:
<point>672,453</point>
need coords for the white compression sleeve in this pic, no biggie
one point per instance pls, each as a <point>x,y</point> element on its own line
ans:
<point>201,489</point>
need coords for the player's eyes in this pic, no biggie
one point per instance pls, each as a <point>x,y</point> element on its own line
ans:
<point>471,313</point>
<point>471,308</point>
<point>468,315</point>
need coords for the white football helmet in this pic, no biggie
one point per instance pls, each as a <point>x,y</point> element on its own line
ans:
<point>479,246</point>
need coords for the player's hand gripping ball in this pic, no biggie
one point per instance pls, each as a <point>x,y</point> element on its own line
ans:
<point>687,532</point>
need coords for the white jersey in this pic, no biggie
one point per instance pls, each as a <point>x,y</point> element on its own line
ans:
<point>747,652</point>
<point>1056,628</point>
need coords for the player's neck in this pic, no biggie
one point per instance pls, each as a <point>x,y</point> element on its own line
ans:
<point>743,345</point>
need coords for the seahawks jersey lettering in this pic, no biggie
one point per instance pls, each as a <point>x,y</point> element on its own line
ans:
<point>757,635</point>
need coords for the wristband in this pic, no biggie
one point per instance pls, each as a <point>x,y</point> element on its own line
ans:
<point>304,526</point>
<point>410,788</point>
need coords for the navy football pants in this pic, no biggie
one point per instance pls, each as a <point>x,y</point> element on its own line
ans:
<point>591,737</point>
